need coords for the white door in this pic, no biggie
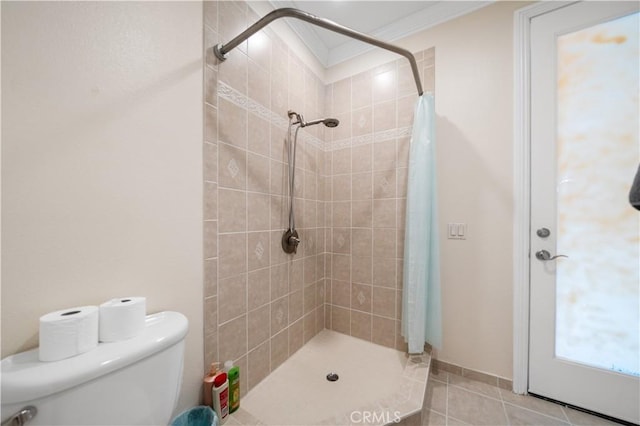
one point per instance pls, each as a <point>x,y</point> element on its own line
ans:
<point>584,313</point>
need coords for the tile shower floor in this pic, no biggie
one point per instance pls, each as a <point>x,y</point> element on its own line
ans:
<point>373,379</point>
<point>457,400</point>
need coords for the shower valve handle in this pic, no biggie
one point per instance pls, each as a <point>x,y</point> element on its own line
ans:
<point>290,241</point>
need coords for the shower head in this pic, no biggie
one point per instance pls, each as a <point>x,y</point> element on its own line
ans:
<point>299,119</point>
<point>329,122</point>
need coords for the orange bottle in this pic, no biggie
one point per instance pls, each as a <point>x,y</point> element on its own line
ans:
<point>208,384</point>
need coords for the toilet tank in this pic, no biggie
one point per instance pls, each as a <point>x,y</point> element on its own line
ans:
<point>131,382</point>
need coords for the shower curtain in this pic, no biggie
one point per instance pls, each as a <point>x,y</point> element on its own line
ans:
<point>421,310</point>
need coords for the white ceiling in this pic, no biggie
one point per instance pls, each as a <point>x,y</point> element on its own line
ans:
<point>385,20</point>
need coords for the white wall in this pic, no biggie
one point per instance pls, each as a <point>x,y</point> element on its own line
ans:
<point>474,105</point>
<point>474,90</point>
<point>102,163</point>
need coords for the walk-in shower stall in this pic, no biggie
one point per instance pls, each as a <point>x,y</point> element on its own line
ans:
<point>304,223</point>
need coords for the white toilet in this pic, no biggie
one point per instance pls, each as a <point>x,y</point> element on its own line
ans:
<point>132,382</point>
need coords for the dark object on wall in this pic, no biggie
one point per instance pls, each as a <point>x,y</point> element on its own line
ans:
<point>634,193</point>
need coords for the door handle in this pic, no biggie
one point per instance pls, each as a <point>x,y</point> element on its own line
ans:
<point>22,417</point>
<point>545,255</point>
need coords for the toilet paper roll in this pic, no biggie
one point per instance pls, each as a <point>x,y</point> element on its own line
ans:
<point>122,319</point>
<point>68,333</point>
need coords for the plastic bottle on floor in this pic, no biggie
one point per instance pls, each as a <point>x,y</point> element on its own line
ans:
<point>207,384</point>
<point>220,393</point>
<point>233,373</point>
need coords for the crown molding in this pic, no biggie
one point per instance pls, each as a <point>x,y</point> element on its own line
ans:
<point>426,18</point>
<point>306,34</point>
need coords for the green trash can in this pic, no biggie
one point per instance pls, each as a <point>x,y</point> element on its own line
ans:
<point>196,416</point>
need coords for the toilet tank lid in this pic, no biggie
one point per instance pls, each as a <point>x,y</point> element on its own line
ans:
<point>26,378</point>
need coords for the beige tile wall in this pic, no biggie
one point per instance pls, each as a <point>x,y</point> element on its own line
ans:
<point>365,171</point>
<point>261,305</point>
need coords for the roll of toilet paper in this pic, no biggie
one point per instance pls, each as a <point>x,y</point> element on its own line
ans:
<point>122,319</point>
<point>68,333</point>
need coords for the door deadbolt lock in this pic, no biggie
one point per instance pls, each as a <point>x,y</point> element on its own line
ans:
<point>543,232</point>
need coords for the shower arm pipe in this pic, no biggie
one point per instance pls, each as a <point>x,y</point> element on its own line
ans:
<point>288,12</point>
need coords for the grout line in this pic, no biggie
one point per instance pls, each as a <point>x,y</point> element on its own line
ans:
<point>438,412</point>
<point>446,400</point>
<point>505,403</point>
<point>232,319</point>
<point>565,414</point>
<point>504,408</point>
<point>457,420</point>
<point>499,399</point>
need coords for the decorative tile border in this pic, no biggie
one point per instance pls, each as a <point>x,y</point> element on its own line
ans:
<point>382,136</point>
<point>228,93</point>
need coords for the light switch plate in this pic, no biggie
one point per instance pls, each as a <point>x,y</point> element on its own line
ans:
<point>457,231</point>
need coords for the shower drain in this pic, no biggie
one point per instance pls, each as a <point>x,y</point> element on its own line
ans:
<point>332,377</point>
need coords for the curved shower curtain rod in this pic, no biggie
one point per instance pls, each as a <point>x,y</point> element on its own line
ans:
<point>221,50</point>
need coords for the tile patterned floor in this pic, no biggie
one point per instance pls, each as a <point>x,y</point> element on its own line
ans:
<point>457,400</point>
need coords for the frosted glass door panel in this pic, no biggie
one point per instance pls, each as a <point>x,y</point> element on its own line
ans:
<point>598,151</point>
<point>584,321</point>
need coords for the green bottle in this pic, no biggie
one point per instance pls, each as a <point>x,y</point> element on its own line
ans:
<point>234,385</point>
